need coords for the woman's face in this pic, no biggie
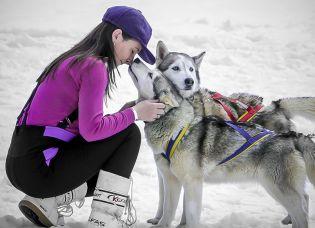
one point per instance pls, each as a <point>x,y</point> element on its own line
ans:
<point>124,50</point>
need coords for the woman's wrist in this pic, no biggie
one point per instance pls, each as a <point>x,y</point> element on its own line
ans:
<point>134,112</point>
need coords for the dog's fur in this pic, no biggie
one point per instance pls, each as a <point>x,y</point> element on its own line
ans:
<point>276,116</point>
<point>280,164</point>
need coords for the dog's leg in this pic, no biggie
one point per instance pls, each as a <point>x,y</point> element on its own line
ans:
<point>193,202</point>
<point>182,223</point>
<point>287,220</point>
<point>294,202</point>
<point>307,199</point>
<point>159,212</point>
<point>172,188</point>
<point>296,206</point>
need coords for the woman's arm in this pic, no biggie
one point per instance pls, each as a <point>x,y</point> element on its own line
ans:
<point>93,125</point>
<point>128,105</point>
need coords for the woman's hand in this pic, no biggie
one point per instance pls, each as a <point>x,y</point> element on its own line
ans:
<point>149,110</point>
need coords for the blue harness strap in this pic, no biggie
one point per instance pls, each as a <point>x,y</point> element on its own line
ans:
<point>169,147</point>
<point>250,140</point>
<point>173,143</point>
<point>166,157</point>
<point>238,129</point>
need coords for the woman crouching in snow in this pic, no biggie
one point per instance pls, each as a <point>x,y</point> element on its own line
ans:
<point>63,148</point>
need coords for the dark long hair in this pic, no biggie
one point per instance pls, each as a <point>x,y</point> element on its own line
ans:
<point>98,43</point>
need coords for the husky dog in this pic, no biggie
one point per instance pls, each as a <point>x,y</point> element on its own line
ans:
<point>280,163</point>
<point>183,71</point>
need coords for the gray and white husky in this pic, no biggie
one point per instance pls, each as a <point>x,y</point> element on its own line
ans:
<point>280,163</point>
<point>183,71</point>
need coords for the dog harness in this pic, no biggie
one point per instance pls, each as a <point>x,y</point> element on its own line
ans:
<point>250,140</point>
<point>172,144</point>
<point>247,116</point>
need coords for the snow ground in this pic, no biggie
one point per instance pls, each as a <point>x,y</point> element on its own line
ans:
<point>263,47</point>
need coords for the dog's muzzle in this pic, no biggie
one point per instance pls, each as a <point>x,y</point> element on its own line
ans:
<point>189,82</point>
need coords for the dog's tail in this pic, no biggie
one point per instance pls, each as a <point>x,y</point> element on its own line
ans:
<point>306,146</point>
<point>299,106</point>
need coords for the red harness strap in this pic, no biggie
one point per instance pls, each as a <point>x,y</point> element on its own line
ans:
<point>250,113</point>
<point>247,116</point>
<point>217,96</point>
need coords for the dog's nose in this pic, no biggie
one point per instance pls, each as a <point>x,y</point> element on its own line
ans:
<point>137,60</point>
<point>189,82</point>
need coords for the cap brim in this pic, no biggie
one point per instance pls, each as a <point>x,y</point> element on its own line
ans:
<point>146,55</point>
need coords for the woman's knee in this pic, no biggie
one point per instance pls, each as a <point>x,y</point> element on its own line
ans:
<point>134,140</point>
<point>135,133</point>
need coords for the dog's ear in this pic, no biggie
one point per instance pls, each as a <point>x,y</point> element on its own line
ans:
<point>161,52</point>
<point>197,59</point>
<point>169,100</point>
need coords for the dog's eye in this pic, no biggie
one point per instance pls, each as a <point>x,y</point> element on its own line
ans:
<point>150,75</point>
<point>191,69</point>
<point>176,68</point>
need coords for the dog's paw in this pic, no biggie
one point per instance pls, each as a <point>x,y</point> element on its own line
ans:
<point>287,220</point>
<point>181,226</point>
<point>153,221</point>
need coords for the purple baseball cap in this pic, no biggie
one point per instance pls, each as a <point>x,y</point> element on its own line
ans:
<point>131,21</point>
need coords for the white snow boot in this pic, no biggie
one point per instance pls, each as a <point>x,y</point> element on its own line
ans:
<point>109,201</point>
<point>47,212</point>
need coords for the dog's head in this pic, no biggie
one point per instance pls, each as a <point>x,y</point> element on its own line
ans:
<point>151,84</point>
<point>181,69</point>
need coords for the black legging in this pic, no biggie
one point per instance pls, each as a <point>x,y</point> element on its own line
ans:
<point>77,162</point>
